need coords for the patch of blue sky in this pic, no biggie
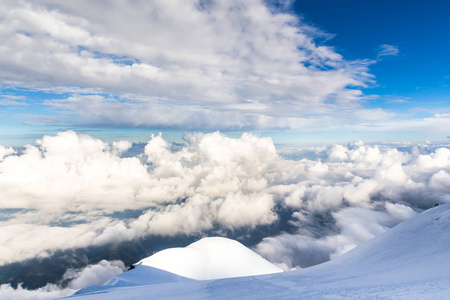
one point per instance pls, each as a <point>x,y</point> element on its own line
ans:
<point>25,33</point>
<point>10,213</point>
<point>122,60</point>
<point>26,115</point>
<point>33,95</point>
<point>30,102</point>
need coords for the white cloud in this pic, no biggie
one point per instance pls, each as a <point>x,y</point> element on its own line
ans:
<point>77,279</point>
<point>399,211</point>
<point>5,151</point>
<point>93,274</point>
<point>50,291</point>
<point>388,50</point>
<point>69,190</point>
<point>239,210</point>
<point>225,65</point>
<point>231,64</point>
<point>356,225</point>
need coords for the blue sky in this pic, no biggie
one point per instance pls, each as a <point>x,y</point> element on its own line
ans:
<point>301,72</point>
<point>419,29</point>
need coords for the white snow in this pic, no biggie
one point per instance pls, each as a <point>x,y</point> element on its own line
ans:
<point>211,258</point>
<point>410,261</point>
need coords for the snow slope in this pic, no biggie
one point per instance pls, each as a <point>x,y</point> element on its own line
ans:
<point>208,258</point>
<point>410,261</point>
<point>211,258</point>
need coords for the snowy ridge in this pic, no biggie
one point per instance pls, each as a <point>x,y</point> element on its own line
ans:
<point>208,258</point>
<point>211,258</point>
<point>410,261</point>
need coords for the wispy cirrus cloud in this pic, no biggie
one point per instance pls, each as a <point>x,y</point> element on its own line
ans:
<point>387,50</point>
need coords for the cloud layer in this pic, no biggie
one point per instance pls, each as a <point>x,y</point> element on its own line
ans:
<point>181,64</point>
<point>76,279</point>
<point>74,191</point>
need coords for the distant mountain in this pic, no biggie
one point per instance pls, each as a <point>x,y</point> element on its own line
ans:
<point>410,261</point>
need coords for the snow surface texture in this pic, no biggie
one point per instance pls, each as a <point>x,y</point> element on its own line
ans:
<point>410,261</point>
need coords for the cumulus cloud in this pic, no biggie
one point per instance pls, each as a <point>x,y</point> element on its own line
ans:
<point>93,274</point>
<point>183,64</point>
<point>75,182</point>
<point>73,191</point>
<point>77,279</point>
<point>5,151</point>
<point>354,225</point>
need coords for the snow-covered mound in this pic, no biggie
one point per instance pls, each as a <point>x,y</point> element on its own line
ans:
<point>410,261</point>
<point>211,258</point>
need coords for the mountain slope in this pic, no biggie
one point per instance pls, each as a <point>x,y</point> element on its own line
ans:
<point>410,261</point>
